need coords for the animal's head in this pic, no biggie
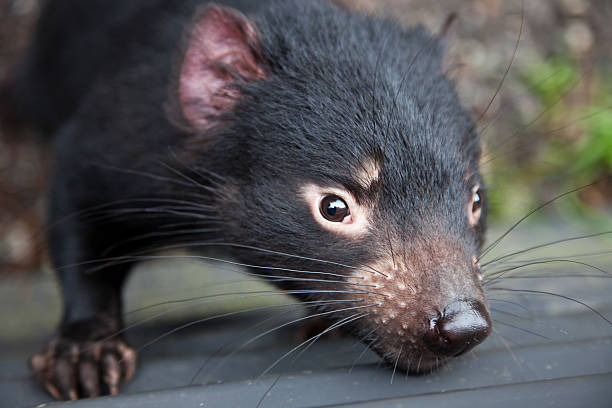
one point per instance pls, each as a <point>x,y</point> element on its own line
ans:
<point>344,147</point>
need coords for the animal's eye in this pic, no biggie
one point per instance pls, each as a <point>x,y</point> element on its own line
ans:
<point>475,206</point>
<point>476,201</point>
<point>333,208</point>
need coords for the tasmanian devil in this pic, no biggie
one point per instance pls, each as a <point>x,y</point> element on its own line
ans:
<point>320,146</point>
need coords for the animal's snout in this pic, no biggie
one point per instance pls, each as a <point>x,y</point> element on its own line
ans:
<point>462,325</point>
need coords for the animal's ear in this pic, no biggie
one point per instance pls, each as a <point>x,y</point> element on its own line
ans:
<point>223,49</point>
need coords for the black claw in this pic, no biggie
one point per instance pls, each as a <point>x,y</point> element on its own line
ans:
<point>128,362</point>
<point>111,370</point>
<point>63,375</point>
<point>89,378</point>
<point>70,370</point>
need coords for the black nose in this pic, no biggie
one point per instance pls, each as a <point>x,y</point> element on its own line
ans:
<point>462,325</point>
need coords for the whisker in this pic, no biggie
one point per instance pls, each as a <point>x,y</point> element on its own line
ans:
<point>425,46</point>
<point>407,371</point>
<point>580,119</point>
<point>218,350</point>
<point>143,213</point>
<point>593,254</point>
<point>396,361</point>
<point>158,234</point>
<point>183,300</point>
<point>531,319</point>
<point>419,363</point>
<point>544,245</point>
<point>203,320</point>
<point>130,258</point>
<point>574,276</point>
<point>114,261</point>
<point>514,53</point>
<point>310,316</point>
<point>391,249</point>
<point>538,208</point>
<point>182,212</point>
<point>240,295</point>
<point>268,391</point>
<point>97,207</point>
<point>493,276</point>
<point>281,278</point>
<point>370,343</point>
<point>198,170</point>
<point>143,173</point>
<point>521,329</point>
<point>540,292</point>
<point>295,256</point>
<point>505,312</point>
<point>182,224</point>
<point>274,278</point>
<point>503,341</point>
<point>517,304</point>
<point>380,53</point>
<point>214,298</point>
<point>336,325</point>
<point>191,180</point>
<point>539,116</point>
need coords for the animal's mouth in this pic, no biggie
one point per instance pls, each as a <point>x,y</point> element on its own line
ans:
<point>426,364</point>
<point>460,327</point>
<point>413,359</point>
<point>418,360</point>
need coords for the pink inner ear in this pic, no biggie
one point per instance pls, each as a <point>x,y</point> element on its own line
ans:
<point>223,48</point>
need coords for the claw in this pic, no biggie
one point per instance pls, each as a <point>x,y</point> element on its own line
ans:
<point>70,370</point>
<point>64,375</point>
<point>89,378</point>
<point>53,391</point>
<point>128,361</point>
<point>38,365</point>
<point>112,372</point>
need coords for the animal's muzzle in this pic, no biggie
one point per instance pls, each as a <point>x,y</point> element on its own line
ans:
<point>460,327</point>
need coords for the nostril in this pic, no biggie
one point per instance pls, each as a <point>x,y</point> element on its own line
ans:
<point>462,325</point>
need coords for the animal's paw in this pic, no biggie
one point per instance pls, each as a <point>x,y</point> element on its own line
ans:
<point>70,370</point>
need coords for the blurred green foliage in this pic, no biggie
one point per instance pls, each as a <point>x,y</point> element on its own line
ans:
<point>569,145</point>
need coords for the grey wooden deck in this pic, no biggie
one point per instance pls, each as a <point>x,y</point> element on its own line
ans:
<point>549,351</point>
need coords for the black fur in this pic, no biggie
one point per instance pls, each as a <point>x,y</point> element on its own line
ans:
<point>340,89</point>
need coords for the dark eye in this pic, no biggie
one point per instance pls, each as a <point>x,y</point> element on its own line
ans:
<point>476,201</point>
<point>333,208</point>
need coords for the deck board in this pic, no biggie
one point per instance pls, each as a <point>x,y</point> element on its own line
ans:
<point>550,352</point>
